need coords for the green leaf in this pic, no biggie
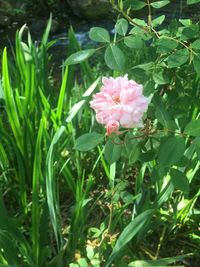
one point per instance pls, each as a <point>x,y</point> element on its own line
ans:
<point>79,57</point>
<point>146,67</point>
<point>160,4</point>
<point>171,151</point>
<point>178,58</point>
<point>160,78</point>
<point>135,5</point>
<point>190,2</point>
<point>121,27</point>
<point>129,232</point>
<point>114,57</point>
<point>90,252</point>
<point>196,63</point>
<point>158,263</point>
<point>130,149</point>
<point>149,88</point>
<point>165,45</point>
<point>179,180</point>
<point>82,262</point>
<point>112,151</point>
<point>196,44</point>
<point>193,128</point>
<point>158,21</point>
<point>99,34</point>
<point>88,141</point>
<point>185,22</point>
<point>190,32</point>
<point>162,116</point>
<point>133,42</point>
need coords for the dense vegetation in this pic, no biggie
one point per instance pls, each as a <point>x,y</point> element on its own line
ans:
<point>72,195</point>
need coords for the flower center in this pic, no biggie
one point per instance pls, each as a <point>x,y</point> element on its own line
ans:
<point>116,99</point>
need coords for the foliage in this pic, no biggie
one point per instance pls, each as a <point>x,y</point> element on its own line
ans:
<point>71,196</point>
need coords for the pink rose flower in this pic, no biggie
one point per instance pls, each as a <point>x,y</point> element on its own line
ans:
<point>112,127</point>
<point>119,100</point>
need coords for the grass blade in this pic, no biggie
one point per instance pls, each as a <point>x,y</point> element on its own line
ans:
<point>10,105</point>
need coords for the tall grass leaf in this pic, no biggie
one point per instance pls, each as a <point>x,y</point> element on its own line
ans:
<point>160,262</point>
<point>129,232</point>
<point>164,194</point>
<point>37,174</point>
<point>8,265</point>
<point>10,104</point>
<point>47,107</point>
<point>10,141</point>
<point>9,248</point>
<point>29,103</point>
<point>1,91</point>
<point>47,31</point>
<point>62,94</point>
<point>18,101</point>
<point>51,187</point>
<point>69,178</point>
<point>8,226</point>
<point>20,59</point>
<point>3,157</point>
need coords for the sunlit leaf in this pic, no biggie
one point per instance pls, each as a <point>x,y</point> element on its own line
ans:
<point>99,34</point>
<point>114,57</point>
<point>160,4</point>
<point>79,57</point>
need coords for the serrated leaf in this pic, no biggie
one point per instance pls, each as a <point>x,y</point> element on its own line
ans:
<point>79,57</point>
<point>178,58</point>
<point>160,4</point>
<point>99,34</point>
<point>121,27</point>
<point>114,57</point>
<point>193,128</point>
<point>133,42</point>
<point>171,151</point>
<point>88,141</point>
